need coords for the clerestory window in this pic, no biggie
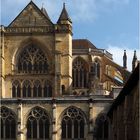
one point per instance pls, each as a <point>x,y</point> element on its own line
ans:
<point>95,69</point>
<point>8,124</point>
<point>32,60</point>
<point>73,124</point>
<point>80,73</point>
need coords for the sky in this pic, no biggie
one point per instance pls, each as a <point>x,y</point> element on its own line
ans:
<point>109,24</point>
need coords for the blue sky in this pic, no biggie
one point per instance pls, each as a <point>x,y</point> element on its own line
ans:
<point>109,24</point>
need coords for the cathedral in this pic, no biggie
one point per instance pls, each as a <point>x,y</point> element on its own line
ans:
<point>54,87</point>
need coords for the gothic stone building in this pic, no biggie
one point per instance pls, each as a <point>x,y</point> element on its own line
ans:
<point>53,87</point>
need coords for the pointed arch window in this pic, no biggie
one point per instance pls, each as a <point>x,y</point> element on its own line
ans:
<point>16,89</point>
<point>108,70</point>
<point>26,89</point>
<point>32,60</point>
<point>95,69</point>
<point>47,89</point>
<point>102,128</point>
<point>80,73</point>
<point>73,124</point>
<point>8,124</point>
<point>37,89</point>
<point>38,124</point>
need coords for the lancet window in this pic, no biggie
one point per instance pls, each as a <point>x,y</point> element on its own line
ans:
<point>38,125</point>
<point>80,73</point>
<point>102,128</point>
<point>26,89</point>
<point>16,89</point>
<point>95,69</point>
<point>8,124</point>
<point>108,70</point>
<point>73,124</point>
<point>47,89</point>
<point>37,89</point>
<point>29,89</point>
<point>32,60</point>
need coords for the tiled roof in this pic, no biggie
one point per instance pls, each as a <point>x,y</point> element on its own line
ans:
<point>82,44</point>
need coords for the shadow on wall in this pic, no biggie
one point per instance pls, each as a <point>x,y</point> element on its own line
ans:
<point>101,130</point>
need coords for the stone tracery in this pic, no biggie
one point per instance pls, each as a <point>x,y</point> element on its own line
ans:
<point>32,60</point>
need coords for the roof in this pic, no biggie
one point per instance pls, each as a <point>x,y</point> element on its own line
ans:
<point>45,12</point>
<point>82,44</point>
<point>128,87</point>
<point>64,15</point>
<point>22,17</point>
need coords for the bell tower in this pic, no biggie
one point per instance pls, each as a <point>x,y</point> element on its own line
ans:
<point>63,48</point>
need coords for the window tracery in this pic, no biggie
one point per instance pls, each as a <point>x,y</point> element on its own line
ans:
<point>32,60</point>
<point>16,89</point>
<point>73,124</point>
<point>8,124</point>
<point>95,69</point>
<point>80,73</point>
<point>47,89</point>
<point>31,89</point>
<point>38,125</point>
<point>26,89</point>
<point>37,90</point>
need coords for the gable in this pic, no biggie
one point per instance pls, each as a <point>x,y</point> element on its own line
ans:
<point>30,16</point>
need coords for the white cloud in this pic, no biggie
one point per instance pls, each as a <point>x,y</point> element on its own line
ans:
<point>118,52</point>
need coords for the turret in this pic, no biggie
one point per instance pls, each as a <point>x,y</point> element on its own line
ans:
<point>63,39</point>
<point>43,10</point>
<point>134,61</point>
<point>125,60</point>
<point>64,17</point>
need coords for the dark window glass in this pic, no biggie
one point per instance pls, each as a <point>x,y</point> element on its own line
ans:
<point>13,91</point>
<point>16,89</point>
<point>76,132</point>
<point>8,124</point>
<point>32,60</point>
<point>64,129</point>
<point>73,124</point>
<point>80,73</point>
<point>38,124</point>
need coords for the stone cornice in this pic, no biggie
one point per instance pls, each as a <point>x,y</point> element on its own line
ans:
<point>60,100</point>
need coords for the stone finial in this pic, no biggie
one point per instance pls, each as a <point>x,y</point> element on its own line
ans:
<point>134,61</point>
<point>125,60</point>
<point>64,16</point>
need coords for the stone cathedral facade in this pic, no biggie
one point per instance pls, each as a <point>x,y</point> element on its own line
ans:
<point>54,87</point>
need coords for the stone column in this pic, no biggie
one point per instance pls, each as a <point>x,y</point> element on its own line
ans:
<point>2,88</point>
<point>21,128</point>
<point>90,132</point>
<point>54,132</point>
<point>19,133</point>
